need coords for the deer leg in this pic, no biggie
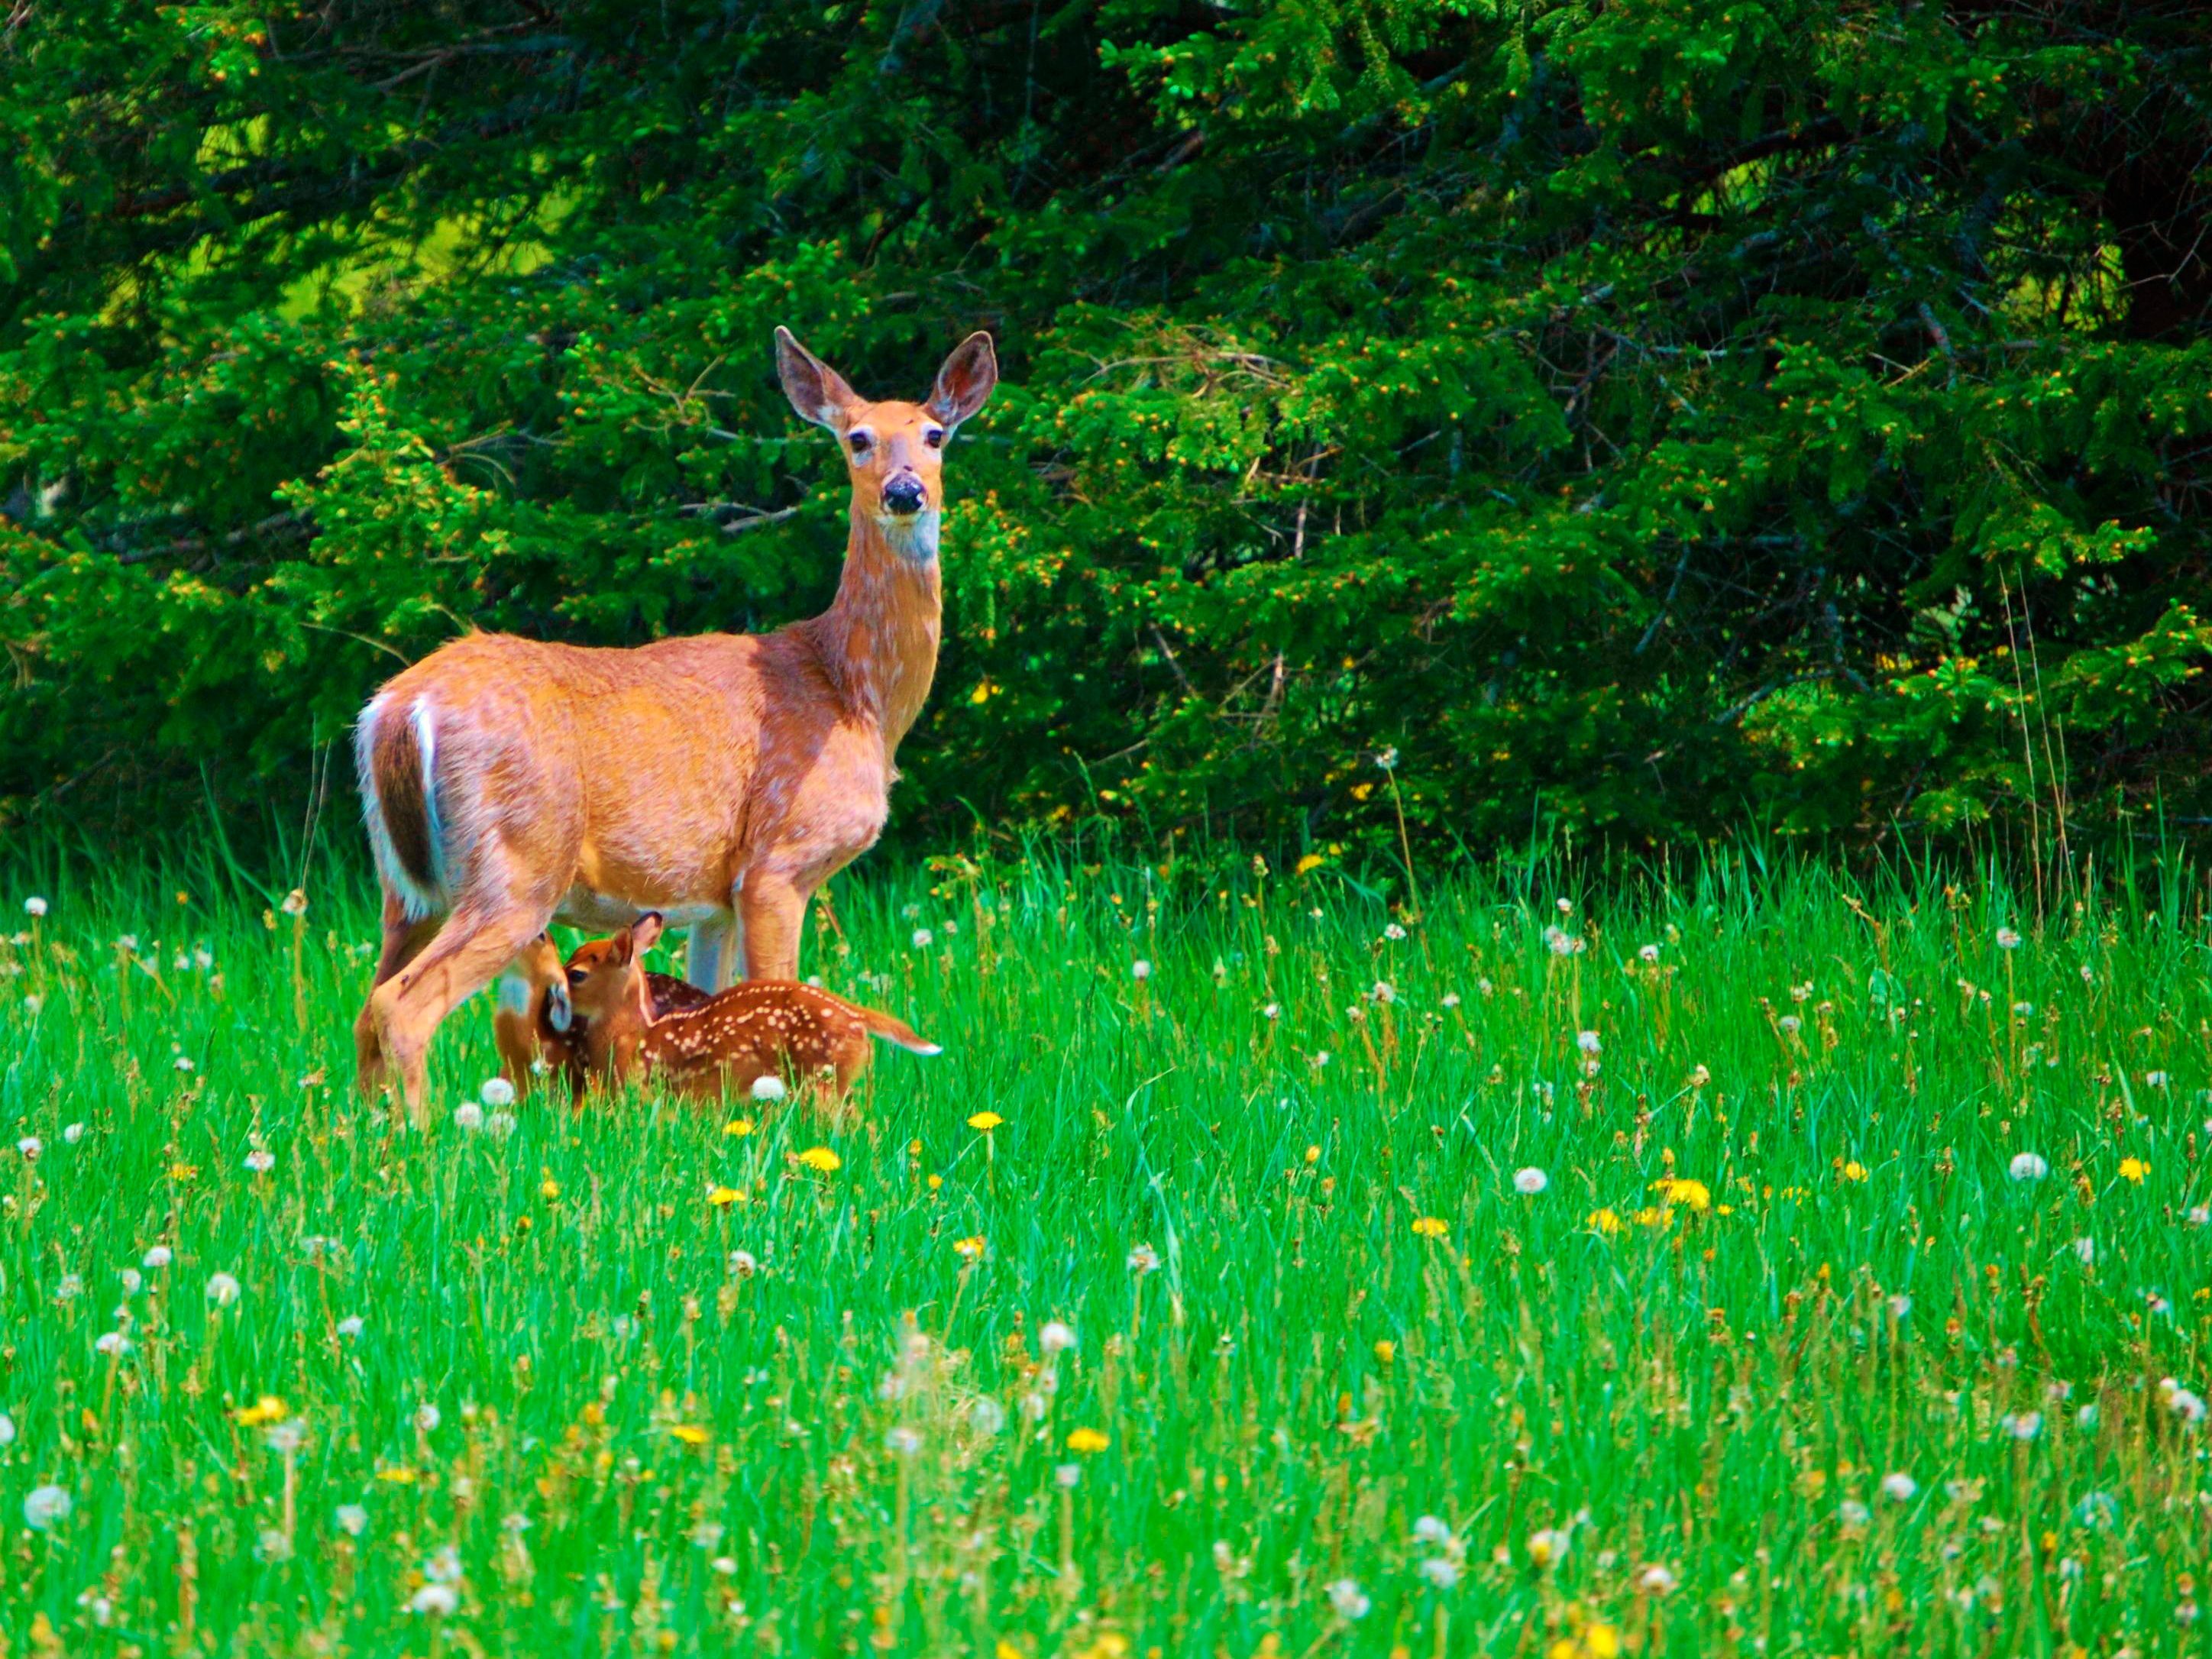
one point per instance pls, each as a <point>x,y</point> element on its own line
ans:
<point>477,941</point>
<point>772,909</point>
<point>404,939</point>
<point>711,957</point>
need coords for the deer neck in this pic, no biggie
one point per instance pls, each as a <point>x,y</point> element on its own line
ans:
<point>879,635</point>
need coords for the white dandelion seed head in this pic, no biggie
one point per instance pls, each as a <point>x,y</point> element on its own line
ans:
<point>468,1117</point>
<point>45,1505</point>
<point>768,1087</point>
<point>904,1441</point>
<point>1144,1259</point>
<point>1900,1306</point>
<point>71,1134</point>
<point>1384,991</point>
<point>499,1125</point>
<point>1530,1181</point>
<point>1346,1600</point>
<point>1432,1529</point>
<point>1067,1475</point>
<point>428,1417</point>
<point>922,938</point>
<point>2085,1250</point>
<point>223,1289</point>
<point>1440,1571</point>
<point>2008,939</point>
<point>1656,1580</point>
<point>158,1257</point>
<point>34,906</point>
<point>497,1092</point>
<point>30,1146</point>
<point>113,1343</point>
<point>1055,1337</point>
<point>352,1519</point>
<point>1852,1513</point>
<point>2022,1426</point>
<point>261,1160</point>
<point>7,1429</point>
<point>744,1263</point>
<point>2028,1166</point>
<point>1140,969</point>
<point>1900,1487</point>
<point>1649,953</point>
<point>287,1438</point>
<point>439,1601</point>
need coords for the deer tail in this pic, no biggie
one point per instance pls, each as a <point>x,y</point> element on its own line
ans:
<point>896,1031</point>
<point>396,761</point>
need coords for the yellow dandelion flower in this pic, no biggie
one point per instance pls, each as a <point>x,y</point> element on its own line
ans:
<point>183,1171</point>
<point>935,1181</point>
<point>1308,864</point>
<point>1429,1226</point>
<point>1657,1215</point>
<point>739,1127</point>
<point>985,1121</point>
<point>1607,1222</point>
<point>1855,1170</point>
<point>1690,1195</point>
<point>970,1249</point>
<point>267,1409</point>
<point>548,1189</point>
<point>1385,1351</point>
<point>689,1433</point>
<point>1086,1440</point>
<point>722,1197</point>
<point>2134,1169</point>
<point>397,1475</point>
<point>1313,1155</point>
<point>822,1159</point>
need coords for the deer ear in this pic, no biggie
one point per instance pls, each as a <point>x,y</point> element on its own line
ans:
<point>645,931</point>
<point>965,381</point>
<point>817,390</point>
<point>560,1012</point>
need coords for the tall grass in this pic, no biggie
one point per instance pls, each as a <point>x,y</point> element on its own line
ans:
<point>1538,1275</point>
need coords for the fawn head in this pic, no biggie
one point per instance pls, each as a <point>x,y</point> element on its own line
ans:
<point>541,964</point>
<point>605,978</point>
<point>894,451</point>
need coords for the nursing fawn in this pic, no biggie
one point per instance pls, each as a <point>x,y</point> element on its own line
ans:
<point>537,1028</point>
<point>761,1027</point>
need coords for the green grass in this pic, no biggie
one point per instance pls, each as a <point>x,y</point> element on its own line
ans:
<point>1692,1416</point>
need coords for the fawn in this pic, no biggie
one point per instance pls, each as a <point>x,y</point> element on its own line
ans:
<point>537,1028</point>
<point>757,1029</point>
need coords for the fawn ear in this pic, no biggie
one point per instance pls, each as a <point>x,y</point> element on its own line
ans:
<point>560,1012</point>
<point>817,390</point>
<point>965,381</point>
<point>645,932</point>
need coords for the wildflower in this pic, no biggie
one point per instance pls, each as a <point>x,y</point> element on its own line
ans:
<point>1547,1547</point>
<point>113,1343</point>
<point>1065,1475</point>
<point>1451,999</point>
<point>985,1122</point>
<point>971,1249</point>
<point>428,1417</point>
<point>268,1409</point>
<point>1656,1580</point>
<point>1605,1222</point>
<point>1384,993</point>
<point>1393,932</point>
<point>30,1146</point>
<point>1055,1337</point>
<point>221,1290</point>
<point>184,1063</point>
<point>158,1257</point>
<point>2184,1403</point>
<point>689,1433</point>
<point>1692,1194</point>
<point>70,1287</point>
<point>2028,1166</point>
<point>1560,942</point>
<point>1649,953</point>
<point>922,937</point>
<point>2133,1170</point>
<point>1855,1170</point>
<point>396,1474</point>
<point>295,904</point>
<point>1595,1642</point>
<point>1273,1011</point>
<point>1791,1024</point>
<point>351,1326</point>
<point>2022,1426</point>
<point>1141,970</point>
<point>437,1599</point>
<point>261,1160</point>
<point>1588,1042</point>
<point>1347,1599</point>
<point>1429,1226</point>
<point>2086,1418</point>
<point>468,1117</point>
<point>72,1133</point>
<point>1530,1181</point>
<point>1387,760</point>
<point>352,1519</point>
<point>744,1263</point>
<point>1144,1259</point>
<point>2008,939</point>
<point>1899,1488</point>
<point>1429,1529</point>
<point>1440,1571</point>
<point>1852,1513</point>
<point>1699,1077</point>
<point>1566,906</point>
<point>2155,1080</point>
<point>1319,1060</point>
<point>34,907</point>
<point>1386,1351</point>
<point>2086,1250</point>
<point>133,1281</point>
<point>44,1505</point>
<point>1086,1441</point>
<point>286,1437</point>
<point>722,1197</point>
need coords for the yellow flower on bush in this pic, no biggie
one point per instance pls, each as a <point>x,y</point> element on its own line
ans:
<point>1086,1440</point>
<point>722,1197</point>
<point>985,1122</point>
<point>2134,1169</point>
<point>1429,1226</point>
<point>689,1433</point>
<point>739,1127</point>
<point>822,1159</point>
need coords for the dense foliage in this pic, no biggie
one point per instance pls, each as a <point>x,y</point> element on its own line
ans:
<point>1647,415</point>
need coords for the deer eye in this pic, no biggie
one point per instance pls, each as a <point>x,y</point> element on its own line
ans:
<point>861,442</point>
<point>578,976</point>
<point>934,437</point>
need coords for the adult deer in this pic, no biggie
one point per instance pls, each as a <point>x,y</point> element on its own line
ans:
<point>719,779</point>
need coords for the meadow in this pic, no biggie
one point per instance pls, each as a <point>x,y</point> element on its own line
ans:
<point>1739,1261</point>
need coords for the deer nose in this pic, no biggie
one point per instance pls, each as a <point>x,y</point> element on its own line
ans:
<point>902,496</point>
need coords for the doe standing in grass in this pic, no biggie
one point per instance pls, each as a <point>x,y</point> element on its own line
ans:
<point>719,779</point>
